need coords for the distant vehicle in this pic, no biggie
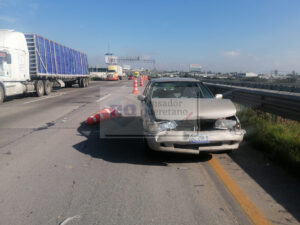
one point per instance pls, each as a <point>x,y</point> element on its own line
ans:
<point>130,77</point>
<point>30,63</point>
<point>181,115</point>
<point>98,73</point>
<point>114,72</point>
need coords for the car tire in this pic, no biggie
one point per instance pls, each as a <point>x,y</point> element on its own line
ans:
<point>230,151</point>
<point>47,87</point>
<point>2,97</point>
<point>39,87</point>
<point>146,146</point>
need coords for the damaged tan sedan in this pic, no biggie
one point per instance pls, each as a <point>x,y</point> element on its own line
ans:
<point>181,115</point>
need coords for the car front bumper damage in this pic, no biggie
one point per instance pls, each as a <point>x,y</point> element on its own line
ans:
<point>179,141</point>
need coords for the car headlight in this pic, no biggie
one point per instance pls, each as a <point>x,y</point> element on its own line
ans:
<point>162,126</point>
<point>170,125</point>
<point>225,124</point>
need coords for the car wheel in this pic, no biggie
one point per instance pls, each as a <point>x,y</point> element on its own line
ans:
<point>39,87</point>
<point>47,87</point>
<point>1,94</point>
<point>229,151</point>
<point>146,146</point>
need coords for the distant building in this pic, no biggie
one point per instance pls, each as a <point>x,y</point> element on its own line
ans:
<point>264,76</point>
<point>126,67</point>
<point>242,75</point>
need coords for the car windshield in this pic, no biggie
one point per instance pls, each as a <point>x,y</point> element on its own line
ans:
<point>180,90</point>
<point>111,71</point>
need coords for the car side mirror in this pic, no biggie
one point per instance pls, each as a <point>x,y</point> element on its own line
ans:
<point>219,96</point>
<point>141,97</point>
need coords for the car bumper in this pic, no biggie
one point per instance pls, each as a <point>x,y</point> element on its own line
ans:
<point>178,141</point>
<point>111,78</point>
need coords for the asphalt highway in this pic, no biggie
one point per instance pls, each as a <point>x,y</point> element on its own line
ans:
<point>54,169</point>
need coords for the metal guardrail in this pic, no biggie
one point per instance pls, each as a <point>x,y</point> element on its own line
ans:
<point>285,104</point>
<point>295,88</point>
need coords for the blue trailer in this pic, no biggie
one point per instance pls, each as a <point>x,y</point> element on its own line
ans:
<point>50,60</point>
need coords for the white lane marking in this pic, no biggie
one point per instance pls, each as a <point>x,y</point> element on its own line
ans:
<point>104,97</point>
<point>69,219</point>
<point>41,99</point>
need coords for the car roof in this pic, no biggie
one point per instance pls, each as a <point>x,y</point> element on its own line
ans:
<point>173,79</point>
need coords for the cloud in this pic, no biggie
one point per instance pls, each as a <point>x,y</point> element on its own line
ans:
<point>8,19</point>
<point>231,53</point>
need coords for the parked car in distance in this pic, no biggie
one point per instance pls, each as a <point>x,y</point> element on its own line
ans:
<point>130,77</point>
<point>182,115</point>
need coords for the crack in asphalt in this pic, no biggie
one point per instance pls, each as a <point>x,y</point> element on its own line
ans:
<point>44,127</point>
<point>70,201</point>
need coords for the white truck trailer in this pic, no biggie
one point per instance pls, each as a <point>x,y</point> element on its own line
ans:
<point>30,63</point>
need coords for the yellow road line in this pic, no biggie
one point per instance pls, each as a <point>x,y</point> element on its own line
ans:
<point>249,208</point>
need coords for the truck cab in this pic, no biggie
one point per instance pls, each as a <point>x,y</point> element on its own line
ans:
<point>14,62</point>
<point>114,72</point>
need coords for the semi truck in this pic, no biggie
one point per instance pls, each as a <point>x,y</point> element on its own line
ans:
<point>30,63</point>
<point>115,72</point>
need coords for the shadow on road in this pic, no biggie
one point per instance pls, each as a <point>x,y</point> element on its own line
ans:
<point>128,149</point>
<point>281,186</point>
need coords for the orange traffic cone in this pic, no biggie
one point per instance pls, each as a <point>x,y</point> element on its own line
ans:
<point>106,113</point>
<point>135,87</point>
<point>142,81</point>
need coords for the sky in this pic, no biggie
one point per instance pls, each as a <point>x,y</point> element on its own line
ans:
<point>223,35</point>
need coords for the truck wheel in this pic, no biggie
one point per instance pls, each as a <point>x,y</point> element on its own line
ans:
<point>81,82</point>
<point>1,94</point>
<point>39,87</point>
<point>47,87</point>
<point>68,84</point>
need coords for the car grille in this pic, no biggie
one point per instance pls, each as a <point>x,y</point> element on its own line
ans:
<point>195,125</point>
<point>196,146</point>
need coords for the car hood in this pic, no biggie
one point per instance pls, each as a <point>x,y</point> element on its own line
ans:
<point>192,108</point>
